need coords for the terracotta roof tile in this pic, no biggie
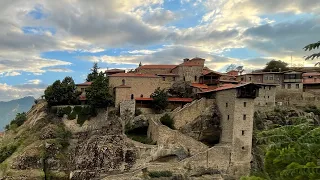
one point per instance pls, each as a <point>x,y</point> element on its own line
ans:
<point>134,75</point>
<point>311,74</point>
<point>115,70</point>
<point>198,85</point>
<point>168,74</point>
<point>84,84</point>
<point>159,66</point>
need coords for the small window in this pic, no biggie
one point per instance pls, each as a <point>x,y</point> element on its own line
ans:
<point>228,117</point>
<point>242,148</point>
<point>268,97</point>
<point>249,78</point>
<point>132,96</point>
<point>289,86</point>
<point>244,104</point>
<point>163,78</point>
<point>271,78</point>
<point>195,78</point>
<point>242,79</point>
<point>266,103</point>
<point>123,82</point>
<point>297,86</point>
<point>269,87</point>
<point>264,96</point>
<point>266,77</point>
<point>174,78</point>
<point>244,117</point>
<point>141,95</point>
<point>283,86</point>
<point>184,78</point>
<point>226,104</point>
<point>242,132</point>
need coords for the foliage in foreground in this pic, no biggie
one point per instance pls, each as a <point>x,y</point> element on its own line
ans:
<point>291,151</point>
<point>167,121</point>
<point>160,99</point>
<point>312,47</point>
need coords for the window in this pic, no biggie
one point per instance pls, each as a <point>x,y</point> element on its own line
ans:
<point>297,86</point>
<point>163,78</point>
<point>226,104</point>
<point>269,87</point>
<point>244,117</point>
<point>265,77</point>
<point>242,79</point>
<point>242,132</point>
<point>249,78</point>
<point>132,96</point>
<point>244,104</point>
<point>123,82</point>
<point>195,78</point>
<point>184,78</point>
<point>264,96</point>
<point>283,86</point>
<point>174,78</point>
<point>270,77</point>
<point>242,148</point>
<point>268,97</point>
<point>289,86</point>
<point>264,87</point>
<point>228,117</point>
<point>141,95</point>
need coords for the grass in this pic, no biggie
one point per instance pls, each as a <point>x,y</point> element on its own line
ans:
<point>157,174</point>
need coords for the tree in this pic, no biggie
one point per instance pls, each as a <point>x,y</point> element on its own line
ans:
<point>276,66</point>
<point>160,99</point>
<point>97,94</point>
<point>94,73</point>
<point>312,47</point>
<point>62,93</point>
<point>231,67</point>
<point>18,121</point>
<point>181,89</point>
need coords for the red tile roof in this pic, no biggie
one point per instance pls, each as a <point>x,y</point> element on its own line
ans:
<point>168,74</point>
<point>198,85</point>
<point>193,62</point>
<point>170,99</point>
<point>160,66</point>
<point>311,81</point>
<point>311,74</point>
<point>225,87</point>
<point>84,84</point>
<point>115,70</point>
<point>134,75</point>
<point>206,71</point>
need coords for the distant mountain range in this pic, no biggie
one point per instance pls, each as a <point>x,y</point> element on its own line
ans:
<point>8,110</point>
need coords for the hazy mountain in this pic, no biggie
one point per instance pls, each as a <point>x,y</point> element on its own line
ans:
<point>8,110</point>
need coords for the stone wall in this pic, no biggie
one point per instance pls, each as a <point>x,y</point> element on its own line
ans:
<point>136,86</point>
<point>190,111</point>
<point>127,107</point>
<point>188,73</point>
<point>153,70</point>
<point>299,99</point>
<point>267,96</point>
<point>165,136</point>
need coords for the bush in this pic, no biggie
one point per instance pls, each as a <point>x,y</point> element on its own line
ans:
<point>63,137</point>
<point>77,109</point>
<point>7,151</point>
<point>312,109</point>
<point>157,174</point>
<point>82,118</point>
<point>138,112</point>
<point>72,115</point>
<point>18,121</point>
<point>167,121</point>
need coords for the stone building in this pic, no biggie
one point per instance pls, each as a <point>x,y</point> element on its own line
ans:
<point>266,96</point>
<point>82,88</point>
<point>189,70</point>
<point>311,82</point>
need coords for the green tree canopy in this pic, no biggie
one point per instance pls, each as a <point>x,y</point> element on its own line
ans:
<point>97,94</point>
<point>276,66</point>
<point>62,93</point>
<point>94,73</point>
<point>181,89</point>
<point>310,47</point>
<point>160,99</point>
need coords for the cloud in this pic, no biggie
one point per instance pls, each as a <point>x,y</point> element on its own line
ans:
<point>13,73</point>
<point>55,69</point>
<point>8,92</point>
<point>34,81</point>
<point>159,16</point>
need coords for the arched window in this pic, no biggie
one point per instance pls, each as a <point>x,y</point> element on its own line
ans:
<point>141,95</point>
<point>123,82</point>
<point>132,96</point>
<point>184,78</point>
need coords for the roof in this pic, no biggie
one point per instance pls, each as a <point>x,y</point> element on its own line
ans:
<point>267,84</point>
<point>168,74</point>
<point>311,74</point>
<point>84,84</point>
<point>134,75</point>
<point>159,66</point>
<point>170,99</point>
<point>260,73</point>
<point>193,62</point>
<point>226,87</point>
<point>198,85</point>
<point>115,70</point>
<point>231,81</point>
<point>208,71</point>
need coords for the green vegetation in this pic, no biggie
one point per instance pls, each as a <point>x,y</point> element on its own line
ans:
<point>310,47</point>
<point>81,113</point>
<point>94,73</point>
<point>312,109</point>
<point>7,151</point>
<point>167,121</point>
<point>289,149</point>
<point>158,174</point>
<point>181,89</point>
<point>139,134</point>
<point>160,99</point>
<point>276,66</point>
<point>62,93</point>
<point>98,93</point>
<point>18,121</point>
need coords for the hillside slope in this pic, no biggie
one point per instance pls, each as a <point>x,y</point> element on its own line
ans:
<point>9,109</point>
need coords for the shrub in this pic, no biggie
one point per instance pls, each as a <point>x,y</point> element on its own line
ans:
<point>77,109</point>
<point>63,137</point>
<point>7,151</point>
<point>72,115</point>
<point>167,121</point>
<point>312,109</point>
<point>82,118</point>
<point>157,174</point>
<point>138,112</point>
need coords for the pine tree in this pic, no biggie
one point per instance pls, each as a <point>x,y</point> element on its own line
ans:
<point>94,73</point>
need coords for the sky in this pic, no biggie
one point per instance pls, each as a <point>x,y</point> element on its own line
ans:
<point>44,40</point>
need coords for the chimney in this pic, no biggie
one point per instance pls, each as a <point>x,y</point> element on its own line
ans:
<point>185,59</point>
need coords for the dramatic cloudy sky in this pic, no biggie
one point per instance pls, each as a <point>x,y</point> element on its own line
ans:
<point>45,40</point>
